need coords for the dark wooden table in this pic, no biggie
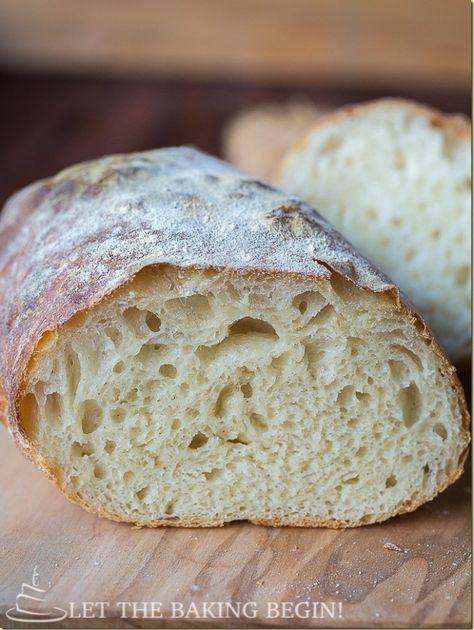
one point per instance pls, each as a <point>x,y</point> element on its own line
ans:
<point>49,123</point>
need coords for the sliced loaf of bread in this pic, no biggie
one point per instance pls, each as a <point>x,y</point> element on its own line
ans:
<point>181,344</point>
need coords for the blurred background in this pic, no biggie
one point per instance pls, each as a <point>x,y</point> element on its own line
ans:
<point>79,79</point>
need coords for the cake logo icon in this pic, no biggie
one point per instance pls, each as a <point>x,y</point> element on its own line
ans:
<point>32,606</point>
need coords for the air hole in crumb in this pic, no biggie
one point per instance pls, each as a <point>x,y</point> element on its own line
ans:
<point>128,476</point>
<point>249,325</point>
<point>222,400</point>
<point>355,345</point>
<point>426,469</point>
<point>109,446</point>
<point>308,302</point>
<point>213,474</point>
<point>99,471</point>
<point>152,321</point>
<point>131,395</point>
<point>353,478</point>
<point>238,440</point>
<point>168,370</point>
<point>397,369</point>
<point>114,335</point>
<point>199,305</point>
<point>279,362</point>
<point>345,395</point>
<point>313,353</point>
<point>117,415</point>
<point>169,509</point>
<point>91,416</point>
<point>119,367</point>
<point>461,275</point>
<point>73,370</point>
<point>192,306</point>
<point>133,317</point>
<point>324,315</point>
<point>440,430</point>
<point>149,352</point>
<point>175,424</point>
<point>361,451</point>
<point>80,450</point>
<point>198,441</point>
<point>410,403</point>
<point>53,407</point>
<point>332,143</point>
<point>257,422</point>
<point>396,347</point>
<point>362,396</point>
<point>391,481</point>
<point>141,494</point>
<point>246,390</point>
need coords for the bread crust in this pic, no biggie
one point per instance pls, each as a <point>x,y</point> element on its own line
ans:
<point>91,228</point>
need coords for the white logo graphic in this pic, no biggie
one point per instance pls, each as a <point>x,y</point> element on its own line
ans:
<point>30,606</point>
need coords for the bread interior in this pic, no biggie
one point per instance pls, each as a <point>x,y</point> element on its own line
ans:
<point>399,187</point>
<point>198,396</point>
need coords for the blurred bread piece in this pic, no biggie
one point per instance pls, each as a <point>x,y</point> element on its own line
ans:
<point>256,139</point>
<point>395,178</point>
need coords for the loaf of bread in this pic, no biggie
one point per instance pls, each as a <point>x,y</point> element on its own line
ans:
<point>395,178</point>
<point>181,344</point>
<point>256,139</point>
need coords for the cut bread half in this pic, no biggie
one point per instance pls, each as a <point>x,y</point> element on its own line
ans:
<point>395,178</point>
<point>200,348</point>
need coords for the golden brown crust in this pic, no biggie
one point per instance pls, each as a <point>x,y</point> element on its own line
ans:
<point>92,228</point>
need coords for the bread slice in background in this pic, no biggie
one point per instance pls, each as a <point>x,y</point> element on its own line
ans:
<point>181,344</point>
<point>395,178</point>
<point>257,138</point>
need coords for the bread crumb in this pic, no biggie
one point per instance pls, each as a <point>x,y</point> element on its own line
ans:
<point>393,547</point>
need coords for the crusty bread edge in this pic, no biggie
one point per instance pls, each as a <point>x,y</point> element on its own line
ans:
<point>30,451</point>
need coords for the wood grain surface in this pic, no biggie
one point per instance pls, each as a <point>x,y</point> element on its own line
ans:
<point>423,42</point>
<point>49,123</point>
<point>413,570</point>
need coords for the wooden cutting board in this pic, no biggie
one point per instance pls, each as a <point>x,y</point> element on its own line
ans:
<point>412,570</point>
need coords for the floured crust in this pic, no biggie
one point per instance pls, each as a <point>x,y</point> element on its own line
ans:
<point>91,228</point>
